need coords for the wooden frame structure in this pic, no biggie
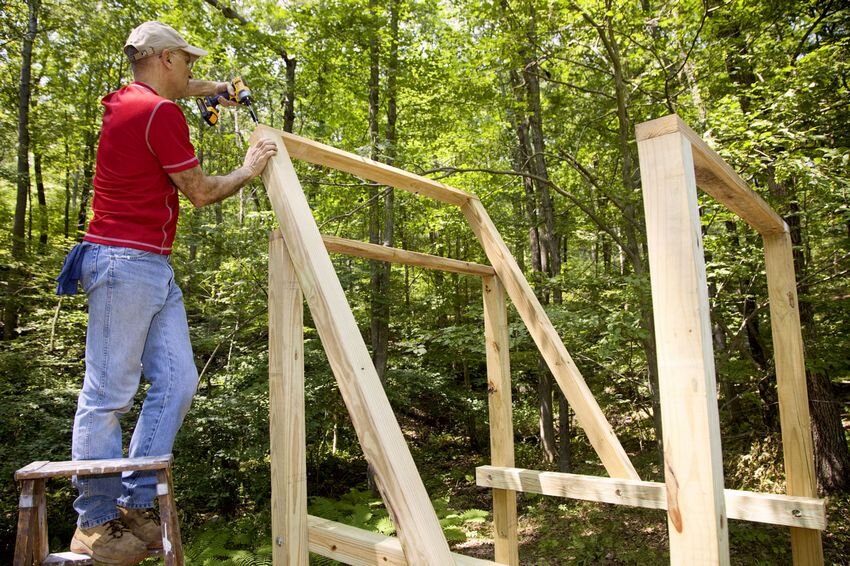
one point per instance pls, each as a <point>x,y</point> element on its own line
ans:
<point>300,269</point>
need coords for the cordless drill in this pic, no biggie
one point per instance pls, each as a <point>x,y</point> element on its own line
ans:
<point>241,94</point>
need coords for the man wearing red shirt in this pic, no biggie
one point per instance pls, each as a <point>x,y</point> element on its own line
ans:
<point>137,322</point>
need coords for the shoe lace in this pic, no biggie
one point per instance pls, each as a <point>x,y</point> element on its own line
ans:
<point>152,514</point>
<point>116,529</point>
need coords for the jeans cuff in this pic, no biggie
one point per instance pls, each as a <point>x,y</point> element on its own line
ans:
<point>91,523</point>
<point>125,505</point>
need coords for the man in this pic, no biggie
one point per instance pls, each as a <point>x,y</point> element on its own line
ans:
<point>136,316</point>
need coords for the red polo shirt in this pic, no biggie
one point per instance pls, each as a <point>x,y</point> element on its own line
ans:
<point>144,138</point>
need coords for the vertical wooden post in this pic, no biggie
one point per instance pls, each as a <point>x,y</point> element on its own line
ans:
<point>501,418</point>
<point>696,514</point>
<point>26,525</point>
<point>40,540</point>
<point>794,415</point>
<point>172,544</point>
<point>286,409</point>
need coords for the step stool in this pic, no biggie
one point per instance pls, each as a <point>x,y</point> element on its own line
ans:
<point>31,543</point>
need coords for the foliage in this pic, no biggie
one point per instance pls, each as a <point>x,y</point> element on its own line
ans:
<point>765,82</point>
<point>363,510</point>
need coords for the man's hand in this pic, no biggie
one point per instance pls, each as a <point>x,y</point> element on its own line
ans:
<point>258,155</point>
<point>225,100</point>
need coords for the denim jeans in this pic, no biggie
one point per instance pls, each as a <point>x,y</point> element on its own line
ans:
<point>137,324</point>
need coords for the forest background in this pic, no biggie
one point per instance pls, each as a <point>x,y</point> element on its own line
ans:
<point>529,104</point>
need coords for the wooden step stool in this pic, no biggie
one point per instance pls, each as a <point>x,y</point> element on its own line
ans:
<point>31,544</point>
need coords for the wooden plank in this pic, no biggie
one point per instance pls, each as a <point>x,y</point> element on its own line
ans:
<point>358,547</point>
<point>566,373</point>
<point>74,559</point>
<point>327,156</point>
<point>92,467</point>
<point>172,543</point>
<point>696,514</point>
<point>40,537</point>
<point>286,409</point>
<point>379,433</point>
<point>716,177</point>
<point>404,257</point>
<point>26,525</point>
<point>501,420</point>
<point>806,545</point>
<point>67,559</point>
<point>802,512</point>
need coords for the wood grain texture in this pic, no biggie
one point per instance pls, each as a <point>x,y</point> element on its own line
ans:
<point>404,257</point>
<point>794,416</point>
<point>716,177</point>
<point>773,509</point>
<point>24,550</point>
<point>565,371</point>
<point>357,547</point>
<point>91,467</point>
<point>378,432</point>
<point>327,156</point>
<point>693,461</point>
<point>501,416</point>
<point>286,409</point>
<point>172,543</point>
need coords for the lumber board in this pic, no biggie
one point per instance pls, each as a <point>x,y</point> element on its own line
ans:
<point>801,512</point>
<point>696,514</point>
<point>497,349</point>
<point>172,543</point>
<point>26,535</point>
<point>328,156</point>
<point>377,429</point>
<point>67,559</point>
<point>91,467</point>
<point>335,244</point>
<point>74,559</point>
<point>286,409</point>
<point>563,368</point>
<point>794,417</point>
<point>716,177</point>
<point>358,547</point>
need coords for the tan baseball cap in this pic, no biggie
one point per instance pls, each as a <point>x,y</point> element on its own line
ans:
<point>151,38</point>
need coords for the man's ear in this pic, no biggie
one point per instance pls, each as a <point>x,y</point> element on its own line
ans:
<point>166,55</point>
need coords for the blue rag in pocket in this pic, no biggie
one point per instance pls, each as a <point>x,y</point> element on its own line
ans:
<point>69,277</point>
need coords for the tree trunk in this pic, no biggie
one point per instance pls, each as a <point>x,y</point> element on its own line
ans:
<point>289,93</point>
<point>11,307</point>
<point>547,418</point>
<point>42,204</point>
<point>88,177</point>
<point>379,301</point>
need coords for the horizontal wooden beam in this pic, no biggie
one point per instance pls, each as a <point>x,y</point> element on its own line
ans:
<point>327,156</point>
<point>716,177</point>
<point>357,547</point>
<point>67,468</point>
<point>774,509</point>
<point>395,255</point>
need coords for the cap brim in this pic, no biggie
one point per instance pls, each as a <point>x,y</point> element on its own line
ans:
<point>194,51</point>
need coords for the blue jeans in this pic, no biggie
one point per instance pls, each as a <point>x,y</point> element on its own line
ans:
<point>137,323</point>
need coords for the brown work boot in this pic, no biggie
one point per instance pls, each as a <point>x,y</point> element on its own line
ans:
<point>145,525</point>
<point>109,543</point>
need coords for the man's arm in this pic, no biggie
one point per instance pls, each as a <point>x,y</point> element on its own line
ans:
<point>202,189</point>
<point>206,88</point>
